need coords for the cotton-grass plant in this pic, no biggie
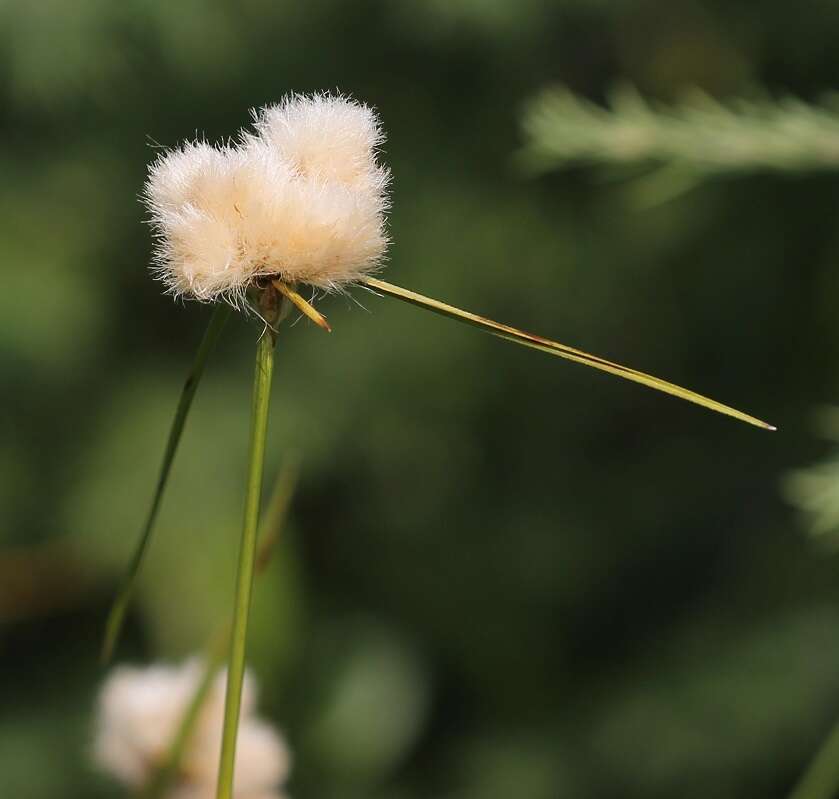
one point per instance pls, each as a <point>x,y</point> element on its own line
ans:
<point>297,201</point>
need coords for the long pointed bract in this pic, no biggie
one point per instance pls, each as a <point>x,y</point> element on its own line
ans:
<point>116,617</point>
<point>555,348</point>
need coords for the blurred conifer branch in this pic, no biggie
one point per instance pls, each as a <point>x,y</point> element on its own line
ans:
<point>699,136</point>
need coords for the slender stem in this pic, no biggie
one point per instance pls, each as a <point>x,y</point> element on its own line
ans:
<point>271,526</point>
<point>116,617</point>
<point>247,557</point>
<point>821,779</point>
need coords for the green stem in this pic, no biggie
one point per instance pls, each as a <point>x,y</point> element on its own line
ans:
<point>247,557</point>
<point>116,617</point>
<point>821,779</point>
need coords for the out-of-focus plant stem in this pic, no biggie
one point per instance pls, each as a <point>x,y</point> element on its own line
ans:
<point>821,778</point>
<point>163,778</point>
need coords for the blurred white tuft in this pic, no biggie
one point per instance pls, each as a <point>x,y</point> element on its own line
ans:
<point>140,711</point>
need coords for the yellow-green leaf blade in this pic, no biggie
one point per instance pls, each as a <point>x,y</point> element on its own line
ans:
<point>555,348</point>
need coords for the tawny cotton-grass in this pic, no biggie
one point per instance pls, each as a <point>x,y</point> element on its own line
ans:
<point>301,198</point>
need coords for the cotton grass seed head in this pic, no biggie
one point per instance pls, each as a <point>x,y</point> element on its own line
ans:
<point>140,711</point>
<point>301,198</point>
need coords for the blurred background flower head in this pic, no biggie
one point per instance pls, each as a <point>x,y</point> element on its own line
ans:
<point>139,714</point>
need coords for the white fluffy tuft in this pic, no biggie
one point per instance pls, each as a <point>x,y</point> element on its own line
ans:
<point>140,711</point>
<point>325,137</point>
<point>302,199</point>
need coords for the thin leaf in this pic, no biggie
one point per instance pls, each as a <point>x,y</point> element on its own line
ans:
<point>554,348</point>
<point>116,617</point>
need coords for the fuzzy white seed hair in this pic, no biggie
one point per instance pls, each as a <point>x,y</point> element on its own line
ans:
<point>140,711</point>
<point>302,199</point>
<point>325,138</point>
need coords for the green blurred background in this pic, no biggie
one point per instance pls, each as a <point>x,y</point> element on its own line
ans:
<point>503,575</point>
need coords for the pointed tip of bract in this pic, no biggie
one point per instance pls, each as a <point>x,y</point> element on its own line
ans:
<point>753,421</point>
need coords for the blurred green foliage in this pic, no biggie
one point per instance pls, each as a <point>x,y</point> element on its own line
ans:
<point>814,489</point>
<point>503,576</point>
